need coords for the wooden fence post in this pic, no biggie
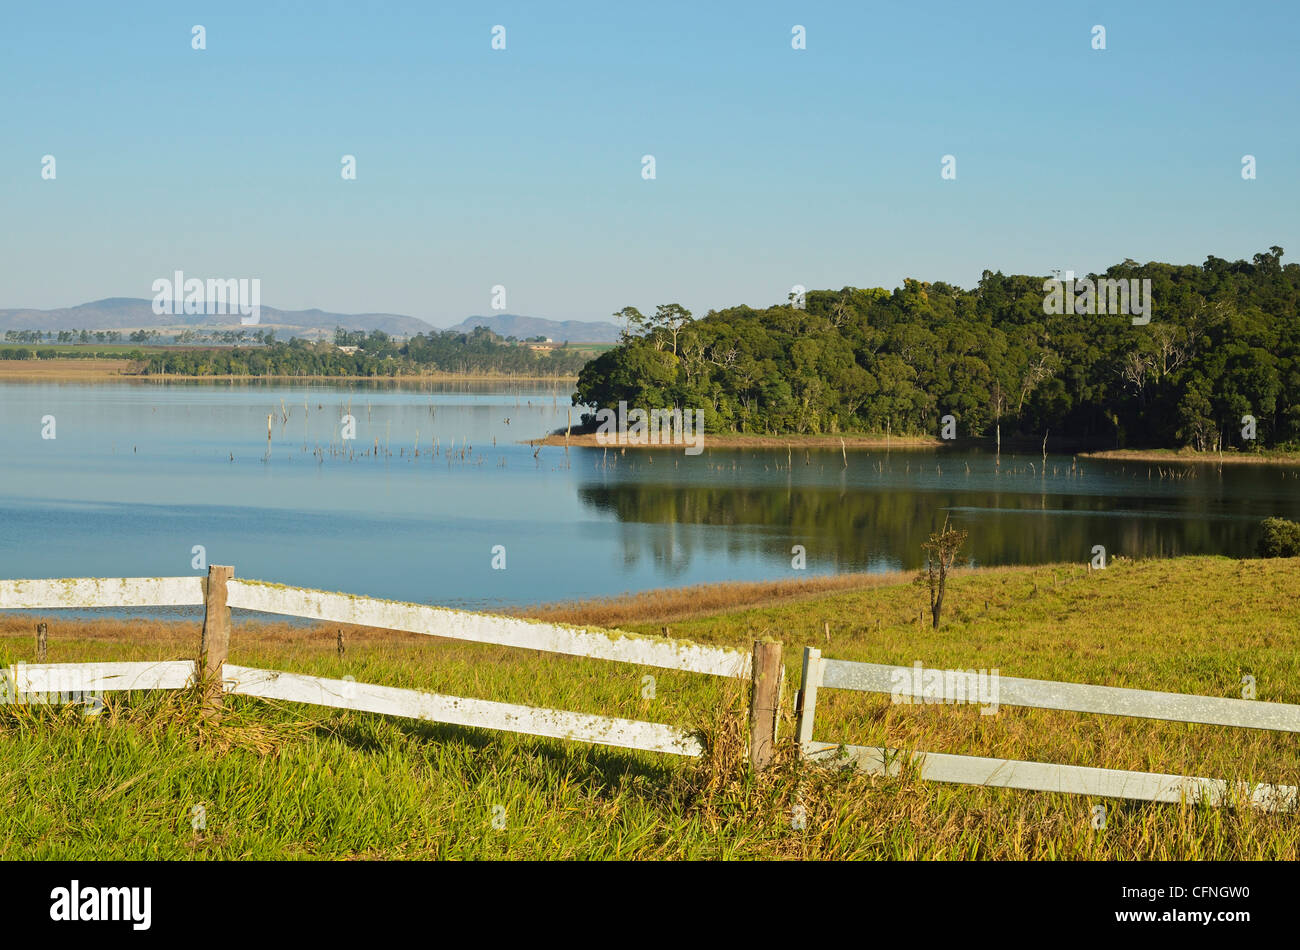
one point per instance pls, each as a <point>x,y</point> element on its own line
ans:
<point>216,638</point>
<point>764,703</point>
<point>807,701</point>
<point>41,642</point>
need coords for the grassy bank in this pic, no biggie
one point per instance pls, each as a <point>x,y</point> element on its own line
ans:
<point>281,780</point>
<point>1265,457</point>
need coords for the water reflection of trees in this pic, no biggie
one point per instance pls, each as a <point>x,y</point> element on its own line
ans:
<point>857,528</point>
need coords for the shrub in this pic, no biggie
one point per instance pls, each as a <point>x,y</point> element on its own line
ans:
<point>1281,538</point>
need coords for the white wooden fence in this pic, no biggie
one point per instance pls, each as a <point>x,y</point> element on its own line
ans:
<point>823,673</point>
<point>219,592</point>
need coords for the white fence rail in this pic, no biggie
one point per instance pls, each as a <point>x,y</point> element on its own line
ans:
<point>327,606</point>
<point>100,677</point>
<point>1045,777</point>
<point>822,673</point>
<point>487,628</point>
<point>83,592</point>
<point>485,714</point>
<point>219,592</point>
<point>1077,697</point>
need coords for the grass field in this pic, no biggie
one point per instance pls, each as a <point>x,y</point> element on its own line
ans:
<point>290,781</point>
<point>65,370</point>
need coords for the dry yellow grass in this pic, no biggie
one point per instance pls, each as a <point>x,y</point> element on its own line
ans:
<point>1191,455</point>
<point>684,603</point>
<point>64,370</point>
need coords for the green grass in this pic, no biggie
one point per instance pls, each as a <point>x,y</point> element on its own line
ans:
<point>293,781</point>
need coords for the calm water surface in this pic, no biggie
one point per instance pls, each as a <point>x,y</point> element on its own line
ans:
<point>139,474</point>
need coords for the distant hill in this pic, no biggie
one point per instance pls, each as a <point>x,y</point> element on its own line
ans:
<point>575,331</point>
<point>129,313</point>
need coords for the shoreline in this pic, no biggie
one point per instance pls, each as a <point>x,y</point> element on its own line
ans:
<point>109,370</point>
<point>114,371</point>
<point>655,605</point>
<point>643,611</point>
<point>736,440</point>
<point>1193,457</point>
<point>859,441</point>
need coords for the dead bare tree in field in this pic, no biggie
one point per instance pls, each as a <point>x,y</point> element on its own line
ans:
<point>940,555</point>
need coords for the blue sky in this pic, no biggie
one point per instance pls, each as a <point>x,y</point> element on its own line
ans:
<point>522,167</point>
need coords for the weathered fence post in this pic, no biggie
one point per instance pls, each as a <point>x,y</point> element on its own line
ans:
<point>806,704</point>
<point>216,638</point>
<point>42,645</point>
<point>764,703</point>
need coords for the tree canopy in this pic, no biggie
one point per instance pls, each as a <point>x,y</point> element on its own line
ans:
<point>1223,342</point>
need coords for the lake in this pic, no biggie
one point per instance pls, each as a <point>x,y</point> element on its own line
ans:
<point>138,474</point>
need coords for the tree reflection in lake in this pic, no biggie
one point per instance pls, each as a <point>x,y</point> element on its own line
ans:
<point>875,514</point>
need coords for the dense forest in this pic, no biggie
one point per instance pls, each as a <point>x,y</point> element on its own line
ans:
<point>375,354</point>
<point>1223,342</point>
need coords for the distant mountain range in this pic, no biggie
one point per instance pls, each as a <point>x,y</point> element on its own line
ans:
<point>574,331</point>
<point>130,313</point>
